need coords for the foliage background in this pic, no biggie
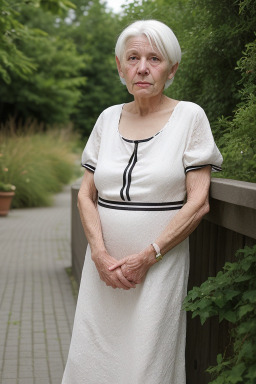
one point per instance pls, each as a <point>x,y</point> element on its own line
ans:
<point>57,68</point>
<point>57,65</point>
<point>36,162</point>
<point>231,296</point>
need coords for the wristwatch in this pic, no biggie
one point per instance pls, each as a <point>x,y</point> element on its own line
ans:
<point>158,252</point>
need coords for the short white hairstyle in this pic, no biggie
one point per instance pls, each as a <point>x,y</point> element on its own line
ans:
<point>157,33</point>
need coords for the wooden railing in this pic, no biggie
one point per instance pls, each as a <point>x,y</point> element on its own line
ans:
<point>230,225</point>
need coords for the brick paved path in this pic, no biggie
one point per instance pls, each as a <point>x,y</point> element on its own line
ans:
<point>36,302</point>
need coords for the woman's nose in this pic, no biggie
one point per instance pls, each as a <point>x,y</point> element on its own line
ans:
<point>142,67</point>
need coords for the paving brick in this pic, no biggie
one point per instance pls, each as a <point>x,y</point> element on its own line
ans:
<point>26,381</point>
<point>9,353</point>
<point>25,373</point>
<point>42,374</point>
<point>39,354</point>
<point>9,374</point>
<point>43,367</point>
<point>35,316</point>
<point>40,380</point>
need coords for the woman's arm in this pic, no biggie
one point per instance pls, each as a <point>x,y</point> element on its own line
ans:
<point>87,205</point>
<point>134,267</point>
<point>188,218</point>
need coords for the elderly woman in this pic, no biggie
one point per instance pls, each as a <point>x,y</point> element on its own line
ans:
<point>145,189</point>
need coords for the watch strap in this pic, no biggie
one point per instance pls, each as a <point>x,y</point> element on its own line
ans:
<point>156,247</point>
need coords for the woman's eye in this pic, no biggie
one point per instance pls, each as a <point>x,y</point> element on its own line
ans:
<point>132,58</point>
<point>154,58</point>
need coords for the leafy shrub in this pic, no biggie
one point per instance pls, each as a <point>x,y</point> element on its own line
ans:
<point>38,164</point>
<point>6,187</point>
<point>231,295</point>
<point>238,139</point>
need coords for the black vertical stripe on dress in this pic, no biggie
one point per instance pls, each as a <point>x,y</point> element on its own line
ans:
<point>131,169</point>
<point>124,177</point>
<point>127,174</point>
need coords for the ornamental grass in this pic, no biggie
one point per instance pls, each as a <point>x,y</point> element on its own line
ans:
<point>37,162</point>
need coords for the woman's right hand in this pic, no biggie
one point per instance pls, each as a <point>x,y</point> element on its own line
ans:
<point>114,279</point>
<point>87,204</point>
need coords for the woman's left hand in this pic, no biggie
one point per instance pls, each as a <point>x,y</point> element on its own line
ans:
<point>135,267</point>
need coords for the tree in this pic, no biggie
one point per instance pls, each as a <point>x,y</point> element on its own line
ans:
<point>44,84</point>
<point>95,32</point>
<point>213,46</point>
<point>238,140</point>
<point>12,59</point>
<point>212,35</point>
<point>217,70</point>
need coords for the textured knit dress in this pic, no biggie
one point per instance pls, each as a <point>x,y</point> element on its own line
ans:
<point>138,336</point>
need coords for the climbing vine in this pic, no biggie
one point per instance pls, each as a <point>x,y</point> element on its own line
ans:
<point>231,295</point>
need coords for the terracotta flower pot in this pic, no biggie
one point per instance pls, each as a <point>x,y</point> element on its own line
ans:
<point>5,202</point>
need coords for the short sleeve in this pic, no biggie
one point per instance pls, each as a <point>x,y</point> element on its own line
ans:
<point>201,149</point>
<point>91,150</point>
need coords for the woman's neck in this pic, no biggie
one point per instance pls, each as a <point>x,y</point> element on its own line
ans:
<point>146,106</point>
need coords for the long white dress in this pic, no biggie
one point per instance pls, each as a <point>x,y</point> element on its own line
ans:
<point>138,336</point>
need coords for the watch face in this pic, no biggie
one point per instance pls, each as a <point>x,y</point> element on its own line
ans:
<point>159,257</point>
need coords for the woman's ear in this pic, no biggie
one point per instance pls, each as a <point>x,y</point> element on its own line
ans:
<point>173,71</point>
<point>119,67</point>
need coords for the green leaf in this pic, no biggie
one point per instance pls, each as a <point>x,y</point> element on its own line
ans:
<point>247,350</point>
<point>246,327</point>
<point>245,265</point>
<point>194,293</point>
<point>230,294</point>
<point>250,296</point>
<point>230,316</point>
<point>219,358</point>
<point>243,278</point>
<point>204,316</point>
<point>244,310</point>
<point>236,373</point>
<point>251,373</point>
<point>220,300</point>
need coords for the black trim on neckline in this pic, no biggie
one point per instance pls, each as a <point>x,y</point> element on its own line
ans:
<point>140,141</point>
<point>137,141</point>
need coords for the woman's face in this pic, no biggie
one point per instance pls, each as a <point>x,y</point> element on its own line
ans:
<point>143,68</point>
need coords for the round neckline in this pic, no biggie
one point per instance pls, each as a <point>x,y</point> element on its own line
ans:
<point>148,138</point>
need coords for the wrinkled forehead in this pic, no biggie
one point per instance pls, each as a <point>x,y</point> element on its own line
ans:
<point>142,41</point>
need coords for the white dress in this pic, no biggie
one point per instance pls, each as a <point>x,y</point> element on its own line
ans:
<point>138,336</point>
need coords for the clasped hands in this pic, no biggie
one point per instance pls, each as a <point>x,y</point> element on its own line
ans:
<point>125,273</point>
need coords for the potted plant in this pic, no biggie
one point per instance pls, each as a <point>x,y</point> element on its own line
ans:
<point>7,191</point>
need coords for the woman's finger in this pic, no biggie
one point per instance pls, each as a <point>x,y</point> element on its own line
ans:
<point>118,284</point>
<point>116,265</point>
<point>124,281</point>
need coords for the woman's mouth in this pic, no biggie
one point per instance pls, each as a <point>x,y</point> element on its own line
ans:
<point>143,84</point>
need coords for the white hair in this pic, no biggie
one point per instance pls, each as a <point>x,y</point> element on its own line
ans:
<point>157,33</point>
